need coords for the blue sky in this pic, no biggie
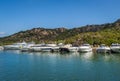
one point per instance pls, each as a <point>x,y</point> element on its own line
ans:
<point>19,15</point>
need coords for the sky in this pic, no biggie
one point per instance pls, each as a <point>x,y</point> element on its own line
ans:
<point>20,15</point>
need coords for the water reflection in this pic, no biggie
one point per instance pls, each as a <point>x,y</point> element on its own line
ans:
<point>107,57</point>
<point>12,51</point>
<point>46,66</point>
<point>111,58</point>
<point>89,56</point>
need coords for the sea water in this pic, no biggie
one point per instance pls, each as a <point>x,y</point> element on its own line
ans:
<point>46,66</point>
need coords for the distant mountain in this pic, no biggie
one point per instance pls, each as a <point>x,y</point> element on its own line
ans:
<point>75,35</point>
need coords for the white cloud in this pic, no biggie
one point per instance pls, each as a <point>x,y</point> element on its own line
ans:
<point>2,33</point>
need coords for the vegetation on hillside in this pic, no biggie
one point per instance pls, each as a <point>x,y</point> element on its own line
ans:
<point>93,34</point>
<point>96,38</point>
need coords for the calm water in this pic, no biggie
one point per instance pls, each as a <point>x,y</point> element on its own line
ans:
<point>16,66</point>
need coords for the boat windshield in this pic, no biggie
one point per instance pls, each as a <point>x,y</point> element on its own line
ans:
<point>115,45</point>
<point>86,45</point>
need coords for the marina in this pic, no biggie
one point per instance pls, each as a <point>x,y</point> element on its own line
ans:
<point>60,40</point>
<point>32,47</point>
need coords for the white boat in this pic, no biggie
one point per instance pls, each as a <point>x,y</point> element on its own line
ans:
<point>1,48</point>
<point>44,47</point>
<point>115,48</point>
<point>15,46</point>
<point>68,48</point>
<point>73,49</point>
<point>36,47</point>
<point>49,47</point>
<point>85,48</point>
<point>27,46</point>
<point>103,49</point>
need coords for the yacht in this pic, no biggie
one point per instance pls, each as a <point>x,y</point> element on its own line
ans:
<point>115,48</point>
<point>36,47</point>
<point>73,49</point>
<point>50,47</point>
<point>1,48</point>
<point>15,46</point>
<point>45,47</point>
<point>103,49</point>
<point>68,48</point>
<point>27,46</point>
<point>85,48</point>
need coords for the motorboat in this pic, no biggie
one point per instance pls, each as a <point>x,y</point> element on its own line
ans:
<point>73,49</point>
<point>50,47</point>
<point>36,47</point>
<point>85,48</point>
<point>1,48</point>
<point>103,49</point>
<point>45,48</point>
<point>15,46</point>
<point>68,48</point>
<point>27,46</point>
<point>115,48</point>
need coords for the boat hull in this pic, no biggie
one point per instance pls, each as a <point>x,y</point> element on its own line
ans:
<point>103,50</point>
<point>115,50</point>
<point>84,50</point>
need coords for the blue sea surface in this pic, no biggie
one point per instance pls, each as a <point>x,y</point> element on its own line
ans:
<point>46,66</point>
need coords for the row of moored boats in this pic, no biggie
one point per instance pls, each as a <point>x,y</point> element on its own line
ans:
<point>32,47</point>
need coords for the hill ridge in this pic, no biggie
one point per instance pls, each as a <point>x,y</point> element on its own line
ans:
<point>62,34</point>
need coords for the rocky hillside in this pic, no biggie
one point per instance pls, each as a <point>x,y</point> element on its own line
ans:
<point>35,34</point>
<point>67,35</point>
